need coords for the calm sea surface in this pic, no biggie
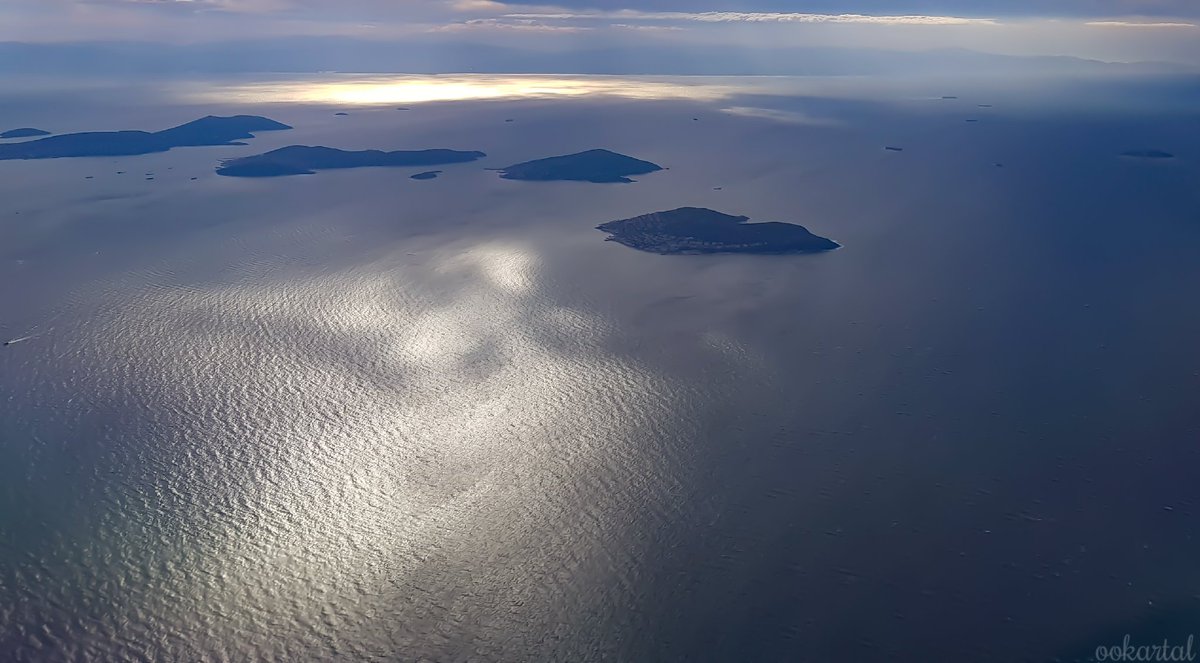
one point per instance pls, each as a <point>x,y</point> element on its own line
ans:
<point>354,416</point>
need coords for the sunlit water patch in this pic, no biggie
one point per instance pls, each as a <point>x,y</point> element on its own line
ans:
<point>388,439</point>
<point>411,89</point>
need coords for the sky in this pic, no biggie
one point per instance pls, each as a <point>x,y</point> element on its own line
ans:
<point>1113,30</point>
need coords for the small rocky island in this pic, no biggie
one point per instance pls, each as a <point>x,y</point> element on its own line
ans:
<point>599,166</point>
<point>427,175</point>
<point>691,230</point>
<point>24,132</point>
<point>209,130</point>
<point>306,160</point>
<point>1148,154</point>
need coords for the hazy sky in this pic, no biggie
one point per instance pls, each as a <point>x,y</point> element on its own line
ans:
<point>1105,29</point>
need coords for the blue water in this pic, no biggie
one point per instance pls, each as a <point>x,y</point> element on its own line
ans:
<point>355,416</point>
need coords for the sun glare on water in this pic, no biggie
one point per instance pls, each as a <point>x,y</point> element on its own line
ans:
<point>346,90</point>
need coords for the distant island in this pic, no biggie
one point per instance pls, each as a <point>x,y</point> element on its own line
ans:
<point>306,160</point>
<point>892,148</point>
<point>691,230</point>
<point>209,130</point>
<point>1148,154</point>
<point>427,175</point>
<point>24,132</point>
<point>599,166</point>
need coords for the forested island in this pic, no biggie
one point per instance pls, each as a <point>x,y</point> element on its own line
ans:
<point>211,130</point>
<point>24,132</point>
<point>599,166</point>
<point>306,160</point>
<point>699,230</point>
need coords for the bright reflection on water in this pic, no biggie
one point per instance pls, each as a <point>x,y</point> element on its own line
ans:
<point>325,456</point>
<point>458,87</point>
<point>356,417</point>
<point>1032,91</point>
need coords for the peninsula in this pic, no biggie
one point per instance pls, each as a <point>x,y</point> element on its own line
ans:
<point>306,160</point>
<point>691,230</point>
<point>599,166</point>
<point>209,130</point>
<point>24,132</point>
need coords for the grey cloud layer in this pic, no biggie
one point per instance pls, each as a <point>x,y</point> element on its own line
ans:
<point>397,9</point>
<point>965,8</point>
<point>1104,29</point>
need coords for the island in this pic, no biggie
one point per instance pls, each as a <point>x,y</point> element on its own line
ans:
<point>24,132</point>
<point>892,148</point>
<point>1148,154</point>
<point>598,166</point>
<point>427,175</point>
<point>695,230</point>
<point>211,130</point>
<point>306,160</point>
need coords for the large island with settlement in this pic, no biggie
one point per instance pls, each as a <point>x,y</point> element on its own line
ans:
<point>699,230</point>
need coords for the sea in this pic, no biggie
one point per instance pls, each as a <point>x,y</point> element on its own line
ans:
<point>352,416</point>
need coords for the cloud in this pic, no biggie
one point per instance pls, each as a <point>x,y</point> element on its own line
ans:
<point>757,17</point>
<point>1024,9</point>
<point>230,6</point>
<point>1138,24</point>
<point>478,6</point>
<point>646,28</point>
<point>507,23</point>
<point>1136,29</point>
